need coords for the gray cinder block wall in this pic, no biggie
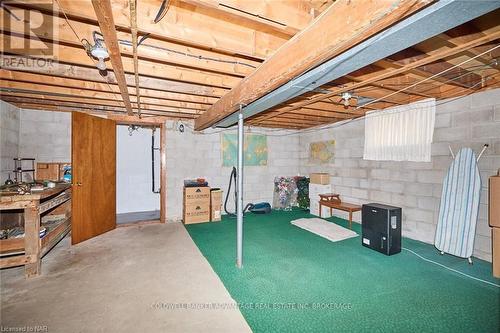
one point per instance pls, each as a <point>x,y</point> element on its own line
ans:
<point>45,135</point>
<point>192,155</point>
<point>9,139</point>
<point>469,121</point>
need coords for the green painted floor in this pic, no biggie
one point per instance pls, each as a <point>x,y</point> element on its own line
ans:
<point>295,281</point>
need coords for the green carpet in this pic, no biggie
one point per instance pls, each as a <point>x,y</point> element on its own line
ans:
<point>295,281</point>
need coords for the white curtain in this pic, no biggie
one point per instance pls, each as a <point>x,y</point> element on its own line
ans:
<point>401,133</point>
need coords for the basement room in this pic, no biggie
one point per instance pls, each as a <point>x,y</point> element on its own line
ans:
<point>250,166</point>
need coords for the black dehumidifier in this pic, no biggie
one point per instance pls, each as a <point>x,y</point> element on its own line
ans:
<point>381,228</point>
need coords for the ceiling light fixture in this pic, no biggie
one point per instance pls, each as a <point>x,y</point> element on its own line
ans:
<point>346,96</point>
<point>97,50</point>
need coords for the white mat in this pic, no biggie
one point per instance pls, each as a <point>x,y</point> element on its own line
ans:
<point>325,229</point>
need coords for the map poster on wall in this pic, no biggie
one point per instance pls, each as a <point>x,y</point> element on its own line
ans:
<point>254,149</point>
<point>322,152</point>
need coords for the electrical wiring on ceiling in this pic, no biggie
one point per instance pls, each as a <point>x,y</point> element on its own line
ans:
<point>81,41</point>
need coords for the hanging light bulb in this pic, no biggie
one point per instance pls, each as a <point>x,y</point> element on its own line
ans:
<point>99,52</point>
<point>101,65</point>
<point>346,96</point>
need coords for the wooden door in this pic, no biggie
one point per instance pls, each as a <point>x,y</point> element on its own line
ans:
<point>93,149</point>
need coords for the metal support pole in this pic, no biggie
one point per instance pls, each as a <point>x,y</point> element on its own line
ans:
<point>239,189</point>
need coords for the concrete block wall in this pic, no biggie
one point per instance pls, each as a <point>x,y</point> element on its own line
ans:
<point>133,171</point>
<point>193,155</point>
<point>45,135</point>
<point>9,138</point>
<point>469,121</point>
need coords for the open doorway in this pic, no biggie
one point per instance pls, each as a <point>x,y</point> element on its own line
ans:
<point>138,166</point>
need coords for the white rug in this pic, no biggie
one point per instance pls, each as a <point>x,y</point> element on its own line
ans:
<point>325,229</point>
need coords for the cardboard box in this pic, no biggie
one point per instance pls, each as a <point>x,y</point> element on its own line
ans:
<point>494,202</point>
<point>216,205</point>
<point>196,208</point>
<point>320,178</point>
<point>496,252</point>
<point>196,213</point>
<point>196,195</point>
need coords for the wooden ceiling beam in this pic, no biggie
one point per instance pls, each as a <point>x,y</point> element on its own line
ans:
<point>150,49</point>
<point>181,25</point>
<point>78,56</point>
<point>75,92</point>
<point>233,10</point>
<point>149,95</point>
<point>104,13</point>
<point>395,72</point>
<point>181,89</point>
<point>93,111</point>
<point>99,104</point>
<point>333,32</point>
<point>146,109</point>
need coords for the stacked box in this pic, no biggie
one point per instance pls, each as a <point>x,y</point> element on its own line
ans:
<point>494,220</point>
<point>196,207</point>
<point>314,191</point>
<point>320,178</point>
<point>215,205</point>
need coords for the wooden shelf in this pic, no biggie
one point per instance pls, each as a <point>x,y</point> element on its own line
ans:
<point>29,250</point>
<point>55,234</point>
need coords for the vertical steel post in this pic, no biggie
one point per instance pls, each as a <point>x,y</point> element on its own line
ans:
<point>239,198</point>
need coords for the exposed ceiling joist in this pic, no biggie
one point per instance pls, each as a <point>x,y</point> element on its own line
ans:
<point>104,14</point>
<point>338,28</point>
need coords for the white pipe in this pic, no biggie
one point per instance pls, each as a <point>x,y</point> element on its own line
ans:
<point>451,152</point>
<point>482,151</point>
<point>239,198</point>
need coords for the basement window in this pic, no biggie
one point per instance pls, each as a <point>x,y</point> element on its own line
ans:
<point>401,133</point>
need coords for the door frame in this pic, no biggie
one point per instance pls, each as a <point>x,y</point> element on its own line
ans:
<point>160,123</point>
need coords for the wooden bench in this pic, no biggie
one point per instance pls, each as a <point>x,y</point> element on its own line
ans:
<point>333,201</point>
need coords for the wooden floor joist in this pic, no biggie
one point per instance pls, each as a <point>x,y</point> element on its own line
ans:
<point>329,35</point>
<point>205,57</point>
<point>104,13</point>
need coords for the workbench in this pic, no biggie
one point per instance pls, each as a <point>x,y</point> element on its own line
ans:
<point>30,249</point>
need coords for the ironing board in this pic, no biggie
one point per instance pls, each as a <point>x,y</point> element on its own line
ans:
<point>459,206</point>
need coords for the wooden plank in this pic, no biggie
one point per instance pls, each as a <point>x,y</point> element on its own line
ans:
<point>232,10</point>
<point>152,49</point>
<point>146,110</point>
<point>156,69</point>
<point>167,87</point>
<point>103,104</point>
<point>391,73</point>
<point>133,27</point>
<point>54,202</point>
<point>55,235</point>
<point>11,245</point>
<point>184,25</point>
<point>104,14</point>
<point>97,111</point>
<point>32,239</point>
<point>15,261</point>
<point>337,29</point>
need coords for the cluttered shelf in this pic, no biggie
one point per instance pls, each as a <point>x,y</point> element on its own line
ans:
<point>34,219</point>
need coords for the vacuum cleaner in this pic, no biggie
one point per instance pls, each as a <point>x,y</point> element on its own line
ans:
<point>257,208</point>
